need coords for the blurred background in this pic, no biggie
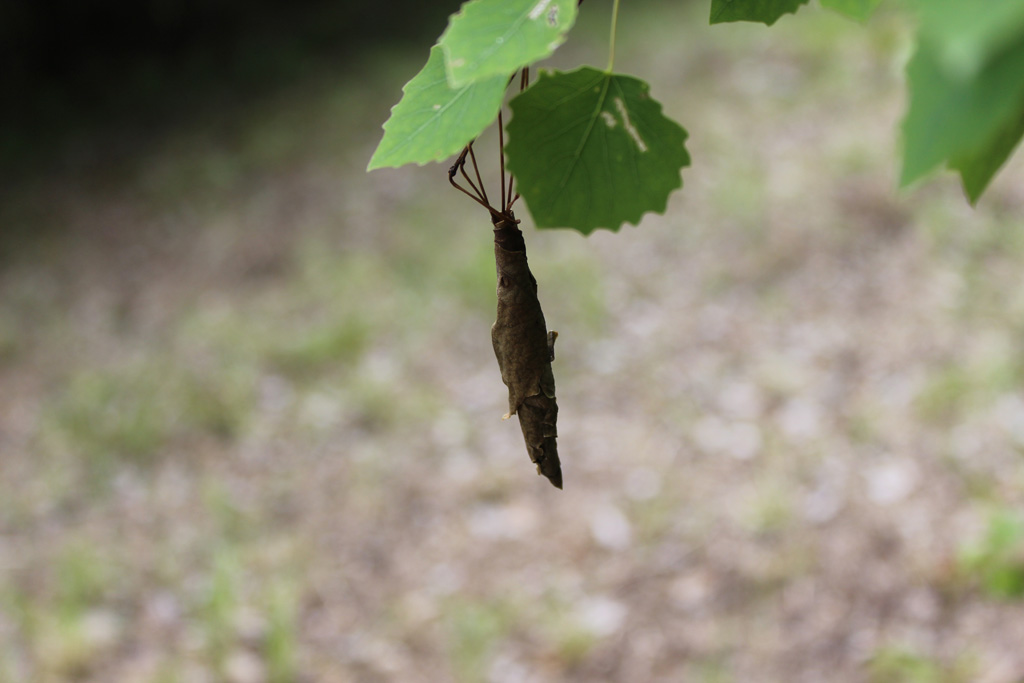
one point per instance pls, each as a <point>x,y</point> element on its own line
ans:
<point>250,419</point>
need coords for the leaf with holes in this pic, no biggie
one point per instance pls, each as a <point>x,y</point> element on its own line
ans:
<point>765,11</point>
<point>496,37</point>
<point>434,121</point>
<point>591,149</point>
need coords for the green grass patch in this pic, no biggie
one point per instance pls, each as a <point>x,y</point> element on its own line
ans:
<point>946,392</point>
<point>62,637</point>
<point>771,510</point>
<point>475,628</point>
<point>306,353</point>
<point>714,669</point>
<point>219,604</point>
<point>248,596</point>
<point>571,640</point>
<point>282,641</point>
<point>106,416</point>
<point>959,387</point>
<point>996,560</point>
<point>83,576</point>
<point>894,664</point>
<point>218,404</point>
<point>127,415</point>
<point>232,524</point>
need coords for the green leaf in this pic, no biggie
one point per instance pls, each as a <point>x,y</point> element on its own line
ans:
<point>966,34</point>
<point>764,11</point>
<point>433,121</point>
<point>591,149</point>
<point>977,168</point>
<point>954,120</point>
<point>491,37</point>
<point>855,9</point>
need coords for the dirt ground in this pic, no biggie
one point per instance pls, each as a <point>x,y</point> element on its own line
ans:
<point>250,420</point>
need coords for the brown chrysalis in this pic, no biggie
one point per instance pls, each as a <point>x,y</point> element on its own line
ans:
<point>522,344</point>
<point>524,349</point>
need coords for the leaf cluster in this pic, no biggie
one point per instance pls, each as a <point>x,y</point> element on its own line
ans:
<point>590,148</point>
<point>966,90</point>
<point>965,81</point>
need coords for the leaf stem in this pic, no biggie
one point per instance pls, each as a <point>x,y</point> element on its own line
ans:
<point>611,41</point>
<point>501,149</point>
<point>483,190</point>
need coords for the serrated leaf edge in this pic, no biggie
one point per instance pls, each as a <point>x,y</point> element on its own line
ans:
<point>446,48</point>
<point>371,166</point>
<point>607,77</point>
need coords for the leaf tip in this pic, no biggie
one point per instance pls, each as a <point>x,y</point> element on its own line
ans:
<point>972,190</point>
<point>374,163</point>
<point>912,171</point>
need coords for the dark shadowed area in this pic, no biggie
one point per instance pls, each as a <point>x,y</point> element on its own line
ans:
<point>250,417</point>
<point>98,78</point>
